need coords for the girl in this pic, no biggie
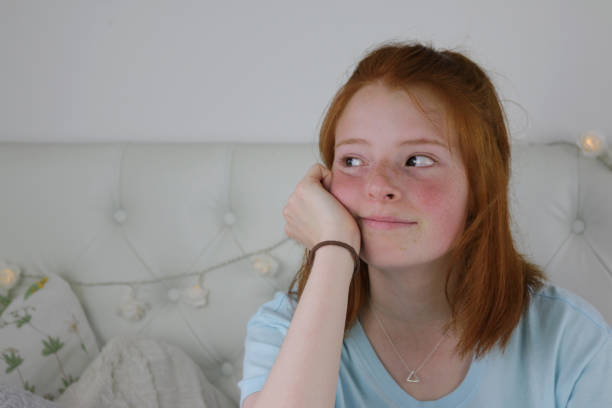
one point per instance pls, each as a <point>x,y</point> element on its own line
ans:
<point>411,293</point>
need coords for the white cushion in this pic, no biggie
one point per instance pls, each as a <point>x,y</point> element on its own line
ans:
<point>45,338</point>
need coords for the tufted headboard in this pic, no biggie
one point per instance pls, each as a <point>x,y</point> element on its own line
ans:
<point>166,217</point>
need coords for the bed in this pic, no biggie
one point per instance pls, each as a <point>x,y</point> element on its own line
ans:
<point>120,259</point>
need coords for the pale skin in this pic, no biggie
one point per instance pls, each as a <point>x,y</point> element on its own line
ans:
<point>383,166</point>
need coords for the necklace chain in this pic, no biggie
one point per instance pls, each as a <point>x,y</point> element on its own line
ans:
<point>412,376</point>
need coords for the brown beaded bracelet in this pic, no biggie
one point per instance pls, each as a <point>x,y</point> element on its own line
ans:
<point>339,243</point>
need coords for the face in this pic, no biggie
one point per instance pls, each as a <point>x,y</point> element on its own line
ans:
<point>393,161</point>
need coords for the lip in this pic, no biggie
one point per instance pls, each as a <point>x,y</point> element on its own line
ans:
<point>386,223</point>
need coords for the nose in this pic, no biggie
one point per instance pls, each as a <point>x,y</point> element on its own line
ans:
<point>381,183</point>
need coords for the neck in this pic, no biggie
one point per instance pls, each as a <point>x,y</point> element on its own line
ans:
<point>412,302</point>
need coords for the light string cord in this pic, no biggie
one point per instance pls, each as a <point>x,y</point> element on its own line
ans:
<point>169,277</point>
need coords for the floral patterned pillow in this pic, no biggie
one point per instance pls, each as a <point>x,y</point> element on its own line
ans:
<point>45,339</point>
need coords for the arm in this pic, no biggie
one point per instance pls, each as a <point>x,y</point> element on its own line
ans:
<point>305,373</point>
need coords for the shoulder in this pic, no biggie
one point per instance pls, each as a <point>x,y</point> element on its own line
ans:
<point>276,313</point>
<point>564,324</point>
<point>266,330</point>
<point>561,350</point>
<point>567,311</point>
<point>576,340</point>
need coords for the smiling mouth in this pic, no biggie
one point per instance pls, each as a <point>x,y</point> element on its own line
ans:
<point>385,225</point>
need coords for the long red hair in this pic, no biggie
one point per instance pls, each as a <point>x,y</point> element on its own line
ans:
<point>493,283</point>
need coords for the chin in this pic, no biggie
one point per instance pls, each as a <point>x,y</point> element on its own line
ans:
<point>389,258</point>
<point>386,259</point>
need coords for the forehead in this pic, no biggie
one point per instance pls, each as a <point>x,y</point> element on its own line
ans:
<point>379,113</point>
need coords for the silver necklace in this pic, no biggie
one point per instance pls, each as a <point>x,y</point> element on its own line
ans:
<point>412,376</point>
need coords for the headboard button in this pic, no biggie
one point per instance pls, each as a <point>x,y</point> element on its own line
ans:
<point>120,216</point>
<point>578,227</point>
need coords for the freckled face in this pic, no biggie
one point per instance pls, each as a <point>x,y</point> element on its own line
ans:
<point>383,167</point>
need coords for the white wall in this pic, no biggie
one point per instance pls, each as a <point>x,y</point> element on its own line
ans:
<point>265,70</point>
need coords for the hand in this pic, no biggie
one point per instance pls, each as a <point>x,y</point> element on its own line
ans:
<point>313,214</point>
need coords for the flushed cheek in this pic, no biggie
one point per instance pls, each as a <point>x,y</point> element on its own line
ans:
<point>432,198</point>
<point>446,205</point>
<point>346,189</point>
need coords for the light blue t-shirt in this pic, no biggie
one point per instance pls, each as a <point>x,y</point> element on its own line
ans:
<point>560,355</point>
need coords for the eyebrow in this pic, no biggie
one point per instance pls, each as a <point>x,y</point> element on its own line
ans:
<point>406,142</point>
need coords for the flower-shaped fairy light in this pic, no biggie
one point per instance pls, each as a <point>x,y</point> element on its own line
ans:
<point>593,143</point>
<point>9,277</point>
<point>132,309</point>
<point>264,264</point>
<point>195,296</point>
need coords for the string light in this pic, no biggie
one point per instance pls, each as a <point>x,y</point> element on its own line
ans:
<point>168,277</point>
<point>593,144</point>
<point>264,264</point>
<point>9,276</point>
<point>133,309</point>
<point>196,295</point>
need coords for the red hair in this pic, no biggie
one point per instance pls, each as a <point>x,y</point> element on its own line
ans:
<point>493,283</point>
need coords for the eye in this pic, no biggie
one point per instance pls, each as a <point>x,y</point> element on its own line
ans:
<point>351,161</point>
<point>419,161</point>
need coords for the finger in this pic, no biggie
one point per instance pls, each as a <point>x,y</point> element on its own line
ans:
<point>316,172</point>
<point>327,180</point>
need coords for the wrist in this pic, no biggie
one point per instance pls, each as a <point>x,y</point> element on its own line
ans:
<point>337,247</point>
<point>333,258</point>
<point>355,244</point>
